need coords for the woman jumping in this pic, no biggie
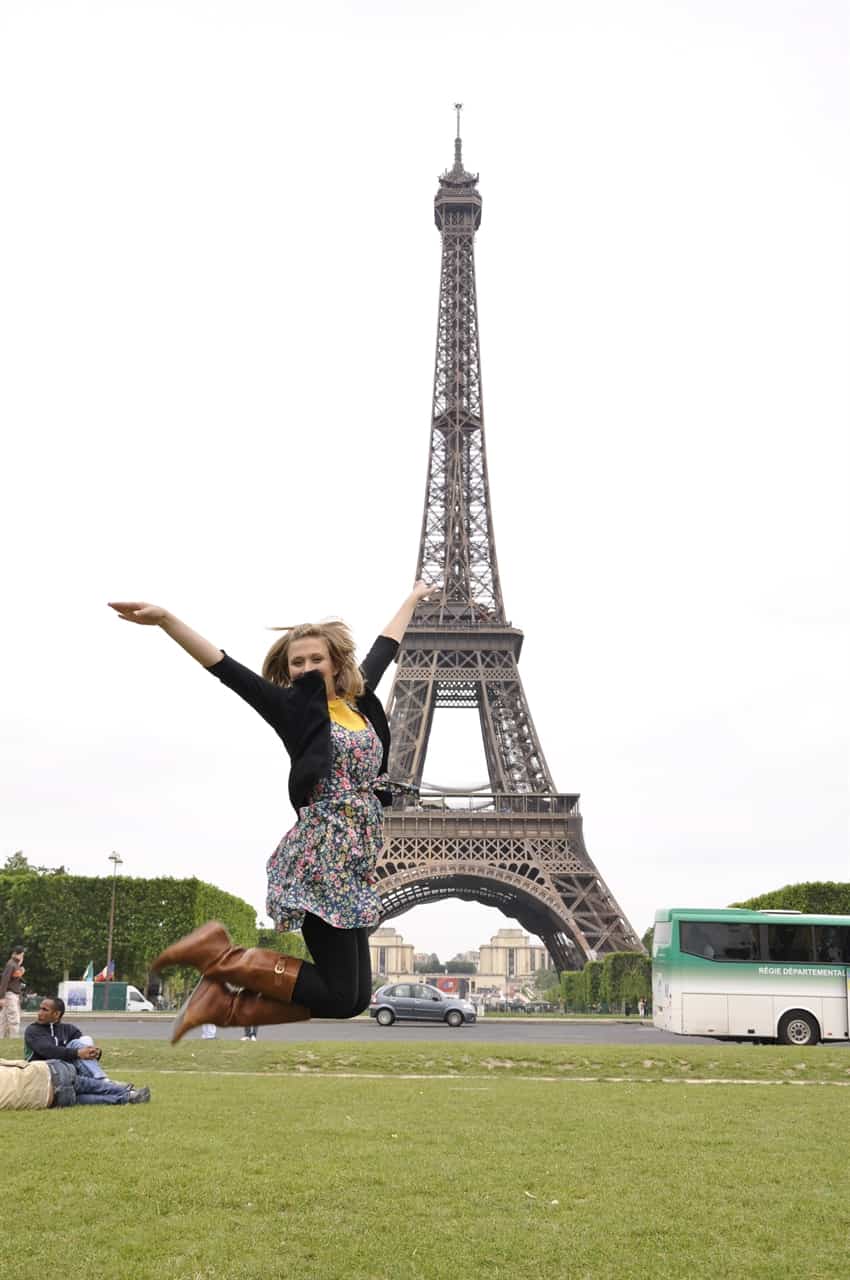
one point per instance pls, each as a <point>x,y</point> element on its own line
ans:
<point>321,876</point>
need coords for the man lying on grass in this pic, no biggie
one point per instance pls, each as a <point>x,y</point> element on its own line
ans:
<point>34,1086</point>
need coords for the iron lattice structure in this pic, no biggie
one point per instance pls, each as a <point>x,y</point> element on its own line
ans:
<point>519,845</point>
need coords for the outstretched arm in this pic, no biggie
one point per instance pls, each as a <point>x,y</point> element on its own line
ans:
<point>151,615</point>
<point>385,647</point>
<point>269,700</point>
<point>400,621</point>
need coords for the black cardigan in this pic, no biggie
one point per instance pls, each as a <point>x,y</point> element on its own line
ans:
<point>299,715</point>
<point>46,1040</point>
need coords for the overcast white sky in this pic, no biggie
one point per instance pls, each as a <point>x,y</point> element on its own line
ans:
<point>218,316</point>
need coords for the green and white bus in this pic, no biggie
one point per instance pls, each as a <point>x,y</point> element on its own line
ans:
<point>751,974</point>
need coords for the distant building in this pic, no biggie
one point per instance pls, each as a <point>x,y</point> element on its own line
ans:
<point>504,966</point>
<point>392,957</point>
<point>509,962</point>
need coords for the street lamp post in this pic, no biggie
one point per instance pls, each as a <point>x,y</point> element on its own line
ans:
<point>116,861</point>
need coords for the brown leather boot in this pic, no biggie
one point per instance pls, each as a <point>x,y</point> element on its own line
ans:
<point>212,1002</point>
<point>199,948</point>
<point>268,972</point>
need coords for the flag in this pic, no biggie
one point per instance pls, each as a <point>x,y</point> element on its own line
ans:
<point>107,973</point>
<point>88,976</point>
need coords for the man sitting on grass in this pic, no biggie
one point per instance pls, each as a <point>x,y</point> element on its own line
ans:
<point>50,1039</point>
<point>32,1086</point>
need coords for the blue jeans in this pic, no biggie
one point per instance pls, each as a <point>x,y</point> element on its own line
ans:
<point>91,1091</point>
<point>63,1076</point>
<point>90,1066</point>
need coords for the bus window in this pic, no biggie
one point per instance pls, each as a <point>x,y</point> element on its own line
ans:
<point>715,941</point>
<point>832,944</point>
<point>790,942</point>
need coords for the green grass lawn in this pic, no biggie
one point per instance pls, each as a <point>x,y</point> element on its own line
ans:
<point>263,1162</point>
<point>386,1055</point>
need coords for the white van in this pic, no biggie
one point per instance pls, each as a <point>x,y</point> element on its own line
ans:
<point>136,1002</point>
<point>79,997</point>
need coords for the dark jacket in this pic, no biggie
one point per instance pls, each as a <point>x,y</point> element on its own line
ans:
<point>45,1040</point>
<point>300,718</point>
<point>11,978</point>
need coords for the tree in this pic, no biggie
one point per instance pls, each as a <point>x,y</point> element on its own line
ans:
<point>431,964</point>
<point>547,984</point>
<point>822,897</point>
<point>17,864</point>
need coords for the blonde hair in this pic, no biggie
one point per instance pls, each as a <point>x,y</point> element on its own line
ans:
<point>340,642</point>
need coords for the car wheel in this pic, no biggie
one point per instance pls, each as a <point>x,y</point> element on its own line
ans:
<point>798,1028</point>
<point>454,1018</point>
<point>386,1017</point>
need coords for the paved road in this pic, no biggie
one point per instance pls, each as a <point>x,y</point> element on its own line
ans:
<point>359,1030</point>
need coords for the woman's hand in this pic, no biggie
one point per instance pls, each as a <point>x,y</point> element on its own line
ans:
<point>398,624</point>
<point>146,615</point>
<point>153,615</point>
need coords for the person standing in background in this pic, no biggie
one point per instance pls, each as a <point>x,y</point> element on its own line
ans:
<point>10,994</point>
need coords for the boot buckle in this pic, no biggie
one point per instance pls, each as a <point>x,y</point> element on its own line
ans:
<point>280,967</point>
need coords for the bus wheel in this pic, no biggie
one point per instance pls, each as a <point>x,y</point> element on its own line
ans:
<point>798,1028</point>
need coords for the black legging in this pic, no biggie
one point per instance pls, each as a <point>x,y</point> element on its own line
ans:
<point>338,984</point>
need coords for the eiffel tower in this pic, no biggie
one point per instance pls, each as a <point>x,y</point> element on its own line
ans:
<point>516,844</point>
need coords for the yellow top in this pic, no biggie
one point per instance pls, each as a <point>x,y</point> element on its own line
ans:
<point>343,714</point>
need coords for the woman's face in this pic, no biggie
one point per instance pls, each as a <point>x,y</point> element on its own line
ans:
<point>312,654</point>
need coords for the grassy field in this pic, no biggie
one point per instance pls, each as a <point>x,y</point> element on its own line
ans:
<point>126,1059</point>
<point>427,1162</point>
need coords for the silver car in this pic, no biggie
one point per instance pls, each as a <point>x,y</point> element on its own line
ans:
<point>418,1001</point>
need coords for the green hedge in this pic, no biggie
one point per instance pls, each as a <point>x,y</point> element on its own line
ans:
<point>608,985</point>
<point>592,983</point>
<point>288,944</point>
<point>572,993</point>
<point>626,978</point>
<point>63,921</point>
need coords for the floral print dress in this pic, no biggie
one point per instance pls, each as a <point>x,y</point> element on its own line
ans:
<point>326,863</point>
